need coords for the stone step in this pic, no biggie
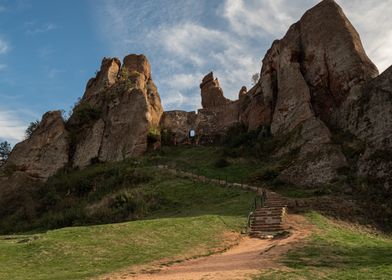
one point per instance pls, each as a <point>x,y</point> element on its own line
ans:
<point>258,226</point>
<point>267,230</point>
<point>272,207</point>
<point>268,221</point>
<point>269,211</point>
<point>267,217</point>
<point>263,226</point>
<point>276,213</point>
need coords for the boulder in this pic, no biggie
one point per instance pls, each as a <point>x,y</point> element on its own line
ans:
<point>45,152</point>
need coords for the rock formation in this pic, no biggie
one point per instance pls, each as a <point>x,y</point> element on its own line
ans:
<point>112,121</point>
<point>211,92</point>
<point>315,84</point>
<point>128,107</point>
<point>45,151</point>
<point>367,114</point>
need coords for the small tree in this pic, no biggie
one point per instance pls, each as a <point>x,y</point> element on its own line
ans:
<point>31,128</point>
<point>5,150</point>
<point>255,78</point>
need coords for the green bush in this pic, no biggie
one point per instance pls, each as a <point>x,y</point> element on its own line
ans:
<point>31,128</point>
<point>154,135</point>
<point>221,163</point>
<point>270,174</point>
<point>85,113</point>
<point>63,199</point>
<point>167,137</point>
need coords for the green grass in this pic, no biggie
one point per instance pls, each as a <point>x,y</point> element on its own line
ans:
<point>82,252</point>
<point>185,217</point>
<point>337,252</point>
<point>202,160</point>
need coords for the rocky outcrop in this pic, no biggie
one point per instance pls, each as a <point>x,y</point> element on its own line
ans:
<point>367,114</point>
<point>309,86</point>
<point>332,57</point>
<point>45,151</point>
<point>243,92</point>
<point>315,83</point>
<point>305,78</point>
<point>112,121</point>
<point>211,92</point>
<point>128,109</point>
<point>106,77</point>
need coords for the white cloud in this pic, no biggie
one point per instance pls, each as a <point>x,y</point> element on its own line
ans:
<point>12,128</point>
<point>53,72</point>
<point>45,52</point>
<point>206,50</point>
<point>4,46</point>
<point>33,29</point>
<point>262,18</point>
<point>184,44</point>
<point>184,81</point>
<point>374,24</point>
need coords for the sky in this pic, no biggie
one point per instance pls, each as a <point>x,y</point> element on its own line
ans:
<point>50,48</point>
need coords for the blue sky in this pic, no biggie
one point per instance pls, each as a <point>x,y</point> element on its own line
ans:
<point>50,48</point>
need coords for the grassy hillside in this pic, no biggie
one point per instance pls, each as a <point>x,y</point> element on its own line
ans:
<point>82,252</point>
<point>337,251</point>
<point>168,217</point>
<point>113,192</point>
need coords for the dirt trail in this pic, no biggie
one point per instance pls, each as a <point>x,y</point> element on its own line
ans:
<point>247,258</point>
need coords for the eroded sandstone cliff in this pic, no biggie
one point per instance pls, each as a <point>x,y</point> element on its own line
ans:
<point>111,122</point>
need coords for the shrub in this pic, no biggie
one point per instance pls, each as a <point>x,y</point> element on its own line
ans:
<point>31,128</point>
<point>85,113</point>
<point>167,137</point>
<point>221,163</point>
<point>154,135</point>
<point>270,174</point>
<point>5,150</point>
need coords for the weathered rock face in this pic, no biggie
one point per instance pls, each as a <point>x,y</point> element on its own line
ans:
<point>111,122</point>
<point>243,92</point>
<point>45,152</point>
<point>106,77</point>
<point>305,78</point>
<point>332,57</point>
<point>367,114</point>
<point>127,109</point>
<point>211,92</point>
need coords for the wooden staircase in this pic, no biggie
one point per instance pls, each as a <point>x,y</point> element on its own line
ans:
<point>270,219</point>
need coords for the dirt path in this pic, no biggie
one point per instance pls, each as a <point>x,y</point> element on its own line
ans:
<point>247,258</point>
